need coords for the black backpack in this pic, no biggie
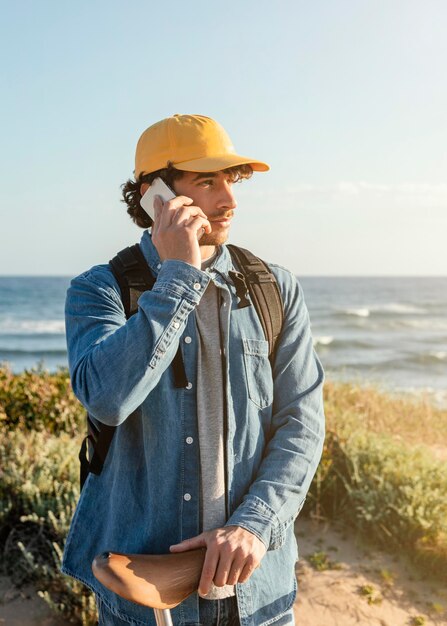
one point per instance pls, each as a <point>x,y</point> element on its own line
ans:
<point>132,272</point>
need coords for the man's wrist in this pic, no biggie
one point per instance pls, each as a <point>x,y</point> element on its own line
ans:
<point>182,278</point>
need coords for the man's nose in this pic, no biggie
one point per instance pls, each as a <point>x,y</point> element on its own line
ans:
<point>227,198</point>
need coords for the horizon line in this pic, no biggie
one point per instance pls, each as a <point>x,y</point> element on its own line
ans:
<point>300,275</point>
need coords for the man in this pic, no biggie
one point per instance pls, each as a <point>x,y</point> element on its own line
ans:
<point>226,461</point>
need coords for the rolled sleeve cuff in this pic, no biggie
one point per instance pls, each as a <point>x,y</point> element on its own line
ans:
<point>182,279</point>
<point>258,518</point>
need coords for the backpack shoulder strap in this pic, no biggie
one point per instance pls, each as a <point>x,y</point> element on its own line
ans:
<point>133,275</point>
<point>264,292</point>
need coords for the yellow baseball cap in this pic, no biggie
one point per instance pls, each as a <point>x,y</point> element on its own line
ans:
<point>193,143</point>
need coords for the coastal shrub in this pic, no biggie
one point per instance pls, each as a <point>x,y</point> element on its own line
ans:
<point>398,491</point>
<point>39,488</point>
<point>38,473</point>
<point>394,494</point>
<point>37,400</point>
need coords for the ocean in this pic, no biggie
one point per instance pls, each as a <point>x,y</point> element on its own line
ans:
<point>389,331</point>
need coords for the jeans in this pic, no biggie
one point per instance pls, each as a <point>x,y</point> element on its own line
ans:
<point>218,612</point>
<point>211,613</point>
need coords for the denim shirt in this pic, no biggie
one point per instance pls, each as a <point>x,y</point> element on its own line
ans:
<point>147,496</point>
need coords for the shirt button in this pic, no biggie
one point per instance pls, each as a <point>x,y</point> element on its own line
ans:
<point>197,286</point>
<point>158,266</point>
<point>176,325</point>
<point>189,386</point>
<point>189,439</point>
<point>187,497</point>
<point>188,339</point>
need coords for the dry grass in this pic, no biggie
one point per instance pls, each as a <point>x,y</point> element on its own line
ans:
<point>350,407</point>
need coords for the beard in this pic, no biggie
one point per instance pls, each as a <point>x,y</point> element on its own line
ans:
<point>218,235</point>
<point>216,238</point>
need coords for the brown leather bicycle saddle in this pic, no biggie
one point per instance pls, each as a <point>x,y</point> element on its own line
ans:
<point>158,581</point>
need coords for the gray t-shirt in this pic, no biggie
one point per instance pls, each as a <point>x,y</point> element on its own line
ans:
<point>210,414</point>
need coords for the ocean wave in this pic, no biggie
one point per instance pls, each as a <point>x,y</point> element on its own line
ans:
<point>329,340</point>
<point>360,312</point>
<point>11,326</point>
<point>411,362</point>
<point>431,357</point>
<point>393,308</point>
<point>397,307</point>
<point>424,324</point>
<point>323,340</point>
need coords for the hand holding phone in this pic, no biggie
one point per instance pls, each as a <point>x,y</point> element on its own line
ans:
<point>177,224</point>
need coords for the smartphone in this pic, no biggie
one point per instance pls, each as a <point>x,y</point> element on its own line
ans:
<point>158,188</point>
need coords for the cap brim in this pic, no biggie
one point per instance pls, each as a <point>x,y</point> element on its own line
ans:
<point>214,164</point>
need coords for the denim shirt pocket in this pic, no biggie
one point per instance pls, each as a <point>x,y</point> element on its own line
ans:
<point>258,372</point>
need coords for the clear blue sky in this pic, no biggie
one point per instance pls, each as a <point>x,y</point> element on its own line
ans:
<point>345,99</point>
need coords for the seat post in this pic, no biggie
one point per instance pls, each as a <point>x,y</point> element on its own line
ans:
<point>163,617</point>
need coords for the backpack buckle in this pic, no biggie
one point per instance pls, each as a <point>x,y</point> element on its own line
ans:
<point>241,289</point>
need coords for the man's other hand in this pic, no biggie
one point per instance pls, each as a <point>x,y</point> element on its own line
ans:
<point>232,555</point>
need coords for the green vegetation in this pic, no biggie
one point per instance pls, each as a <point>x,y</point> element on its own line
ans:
<point>321,561</point>
<point>371,594</point>
<point>375,476</point>
<point>39,485</point>
<point>387,577</point>
<point>436,607</point>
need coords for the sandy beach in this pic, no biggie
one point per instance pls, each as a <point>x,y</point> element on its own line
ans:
<point>362,585</point>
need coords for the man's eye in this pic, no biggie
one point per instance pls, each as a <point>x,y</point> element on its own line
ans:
<point>207,182</point>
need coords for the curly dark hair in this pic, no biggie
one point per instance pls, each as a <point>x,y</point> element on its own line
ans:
<point>132,196</point>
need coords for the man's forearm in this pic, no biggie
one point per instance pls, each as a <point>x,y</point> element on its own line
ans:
<point>295,445</point>
<point>114,362</point>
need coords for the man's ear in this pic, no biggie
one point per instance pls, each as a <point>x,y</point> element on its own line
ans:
<point>143,188</point>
